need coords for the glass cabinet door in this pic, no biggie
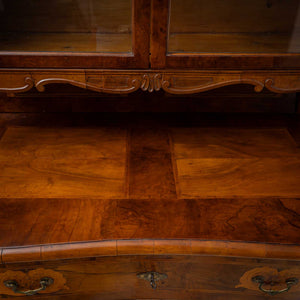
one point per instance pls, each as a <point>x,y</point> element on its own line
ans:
<point>226,34</point>
<point>66,25</point>
<point>234,26</point>
<point>84,27</point>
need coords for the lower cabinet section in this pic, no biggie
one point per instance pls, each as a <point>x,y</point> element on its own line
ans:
<point>153,277</point>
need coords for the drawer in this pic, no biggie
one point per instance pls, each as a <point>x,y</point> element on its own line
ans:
<point>173,277</point>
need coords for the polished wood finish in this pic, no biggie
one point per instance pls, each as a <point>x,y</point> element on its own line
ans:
<point>173,155</point>
<point>119,197</point>
<point>67,158</point>
<point>191,277</point>
<point>124,82</point>
<point>151,176</point>
<point>151,247</point>
<point>200,154</point>
<point>159,33</point>
<point>209,203</point>
<point>150,219</point>
<point>139,166</point>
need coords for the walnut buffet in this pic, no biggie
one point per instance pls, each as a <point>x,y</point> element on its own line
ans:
<point>150,208</point>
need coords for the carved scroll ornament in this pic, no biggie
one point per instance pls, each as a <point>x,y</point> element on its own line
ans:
<point>124,82</point>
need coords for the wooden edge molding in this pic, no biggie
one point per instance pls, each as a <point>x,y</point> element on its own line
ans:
<point>124,82</point>
<point>148,247</point>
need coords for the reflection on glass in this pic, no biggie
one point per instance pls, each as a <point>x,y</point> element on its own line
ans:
<point>234,26</point>
<point>66,25</point>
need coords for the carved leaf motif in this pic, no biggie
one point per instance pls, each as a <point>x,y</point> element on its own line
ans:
<point>151,82</point>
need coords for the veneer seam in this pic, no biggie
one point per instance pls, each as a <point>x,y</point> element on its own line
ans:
<point>2,132</point>
<point>174,166</point>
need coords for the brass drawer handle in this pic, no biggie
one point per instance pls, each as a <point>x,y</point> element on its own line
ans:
<point>152,277</point>
<point>260,279</point>
<point>13,285</point>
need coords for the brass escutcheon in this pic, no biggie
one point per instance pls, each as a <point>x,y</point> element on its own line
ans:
<point>152,277</point>
<point>260,279</point>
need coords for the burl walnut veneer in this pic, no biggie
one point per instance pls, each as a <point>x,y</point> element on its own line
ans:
<point>150,209</point>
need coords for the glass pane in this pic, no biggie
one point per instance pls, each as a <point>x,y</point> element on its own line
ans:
<point>236,26</point>
<point>66,25</point>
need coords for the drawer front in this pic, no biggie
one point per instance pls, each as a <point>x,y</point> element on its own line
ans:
<point>159,277</point>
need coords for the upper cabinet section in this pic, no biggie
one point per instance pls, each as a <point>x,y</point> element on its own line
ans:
<point>75,33</point>
<point>66,25</point>
<point>157,34</point>
<point>231,34</point>
<point>234,26</point>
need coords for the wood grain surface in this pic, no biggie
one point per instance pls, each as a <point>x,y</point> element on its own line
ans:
<point>46,221</point>
<point>236,162</point>
<point>125,82</point>
<point>63,162</point>
<point>148,180</point>
<point>189,277</point>
<point>150,165</point>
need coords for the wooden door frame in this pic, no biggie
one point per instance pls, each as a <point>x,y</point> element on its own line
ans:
<point>161,59</point>
<point>139,58</point>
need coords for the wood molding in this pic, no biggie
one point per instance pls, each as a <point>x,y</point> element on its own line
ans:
<point>124,82</point>
<point>28,85</point>
<point>148,247</point>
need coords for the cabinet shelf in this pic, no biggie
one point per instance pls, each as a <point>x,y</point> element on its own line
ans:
<point>66,42</point>
<point>233,43</point>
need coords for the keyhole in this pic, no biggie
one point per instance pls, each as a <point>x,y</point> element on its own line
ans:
<point>152,282</point>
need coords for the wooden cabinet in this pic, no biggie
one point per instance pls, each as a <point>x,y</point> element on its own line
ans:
<point>150,207</point>
<point>180,47</point>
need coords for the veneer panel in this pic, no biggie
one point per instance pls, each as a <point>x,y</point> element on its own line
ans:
<point>63,162</point>
<point>236,162</point>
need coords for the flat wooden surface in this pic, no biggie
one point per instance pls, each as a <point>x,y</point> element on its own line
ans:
<point>111,162</point>
<point>236,162</point>
<point>149,180</point>
<point>234,27</point>
<point>67,42</point>
<point>233,43</point>
<point>47,163</point>
<point>85,26</point>
<point>116,34</point>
